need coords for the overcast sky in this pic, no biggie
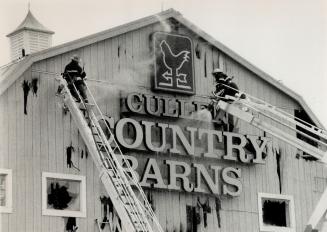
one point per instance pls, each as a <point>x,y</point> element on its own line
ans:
<point>285,38</point>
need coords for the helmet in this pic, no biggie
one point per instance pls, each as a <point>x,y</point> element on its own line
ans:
<point>218,71</point>
<point>75,57</point>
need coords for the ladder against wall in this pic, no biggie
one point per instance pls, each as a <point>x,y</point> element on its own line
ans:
<point>260,114</point>
<point>134,211</point>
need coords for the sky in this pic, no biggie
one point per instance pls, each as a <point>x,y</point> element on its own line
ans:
<point>285,38</point>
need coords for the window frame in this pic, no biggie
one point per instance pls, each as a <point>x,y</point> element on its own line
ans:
<point>8,208</point>
<point>64,212</point>
<point>291,212</point>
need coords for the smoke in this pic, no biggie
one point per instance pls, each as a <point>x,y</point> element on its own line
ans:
<point>202,119</point>
<point>202,115</point>
<point>166,27</point>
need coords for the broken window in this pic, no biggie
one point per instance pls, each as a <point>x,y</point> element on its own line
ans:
<point>276,212</point>
<point>5,191</point>
<point>63,195</point>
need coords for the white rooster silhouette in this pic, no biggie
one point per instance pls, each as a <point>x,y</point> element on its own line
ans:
<point>174,62</point>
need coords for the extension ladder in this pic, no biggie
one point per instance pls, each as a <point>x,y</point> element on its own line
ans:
<point>134,215</point>
<point>256,112</point>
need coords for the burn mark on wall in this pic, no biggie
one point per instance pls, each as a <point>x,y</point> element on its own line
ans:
<point>278,163</point>
<point>174,25</point>
<point>86,152</point>
<point>205,64</point>
<point>107,206</point>
<point>206,209</point>
<point>218,208</point>
<point>150,197</point>
<point>59,196</point>
<point>65,109</point>
<point>71,224</point>
<point>197,51</point>
<point>26,88</point>
<point>69,151</point>
<point>192,218</point>
<point>34,85</point>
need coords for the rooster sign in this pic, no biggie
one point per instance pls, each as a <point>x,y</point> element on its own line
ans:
<point>173,63</point>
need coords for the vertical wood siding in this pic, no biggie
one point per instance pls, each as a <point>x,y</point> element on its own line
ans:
<point>37,142</point>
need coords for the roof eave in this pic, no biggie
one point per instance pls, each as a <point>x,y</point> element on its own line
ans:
<point>30,29</point>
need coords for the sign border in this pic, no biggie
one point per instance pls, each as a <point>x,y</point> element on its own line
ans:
<point>156,87</point>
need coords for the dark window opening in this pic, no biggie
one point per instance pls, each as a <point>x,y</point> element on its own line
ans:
<point>302,115</point>
<point>275,213</point>
<point>192,219</point>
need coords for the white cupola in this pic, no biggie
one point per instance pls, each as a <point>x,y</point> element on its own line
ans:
<point>29,37</point>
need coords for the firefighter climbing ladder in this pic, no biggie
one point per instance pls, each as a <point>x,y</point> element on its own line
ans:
<point>256,112</point>
<point>134,215</point>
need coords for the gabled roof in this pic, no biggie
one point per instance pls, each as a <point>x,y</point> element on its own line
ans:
<point>30,23</point>
<point>10,76</point>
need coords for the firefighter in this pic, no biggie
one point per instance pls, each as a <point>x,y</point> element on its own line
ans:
<point>225,86</point>
<point>220,77</point>
<point>74,75</point>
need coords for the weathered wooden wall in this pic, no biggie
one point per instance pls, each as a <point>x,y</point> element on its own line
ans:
<point>36,142</point>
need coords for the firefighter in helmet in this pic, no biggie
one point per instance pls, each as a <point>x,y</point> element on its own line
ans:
<point>220,77</point>
<point>75,76</point>
<point>225,86</point>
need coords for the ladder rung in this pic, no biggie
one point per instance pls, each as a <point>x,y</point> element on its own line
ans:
<point>125,198</point>
<point>86,106</point>
<point>122,193</point>
<point>103,148</point>
<point>139,224</point>
<point>133,212</point>
<point>130,203</point>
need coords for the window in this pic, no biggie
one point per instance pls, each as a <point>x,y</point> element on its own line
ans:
<point>63,195</point>
<point>5,190</point>
<point>276,213</point>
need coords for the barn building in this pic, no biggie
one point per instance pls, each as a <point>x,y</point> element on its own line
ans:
<point>152,79</point>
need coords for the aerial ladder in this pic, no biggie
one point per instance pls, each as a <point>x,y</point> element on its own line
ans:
<point>121,184</point>
<point>260,114</point>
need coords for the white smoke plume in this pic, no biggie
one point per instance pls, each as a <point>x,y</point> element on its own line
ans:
<point>166,27</point>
